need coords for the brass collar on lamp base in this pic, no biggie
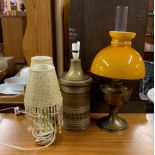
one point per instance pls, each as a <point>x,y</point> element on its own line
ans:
<point>115,95</point>
<point>75,72</point>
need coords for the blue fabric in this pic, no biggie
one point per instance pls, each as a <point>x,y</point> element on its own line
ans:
<point>148,82</point>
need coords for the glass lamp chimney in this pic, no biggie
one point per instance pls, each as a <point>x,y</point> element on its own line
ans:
<point>121,18</point>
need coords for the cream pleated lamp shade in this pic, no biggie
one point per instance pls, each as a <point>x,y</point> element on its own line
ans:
<point>42,88</point>
<point>41,60</point>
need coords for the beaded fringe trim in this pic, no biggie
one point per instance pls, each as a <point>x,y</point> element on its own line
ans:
<point>44,116</point>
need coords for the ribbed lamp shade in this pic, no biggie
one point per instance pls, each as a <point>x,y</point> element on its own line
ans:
<point>119,60</point>
<point>42,89</point>
<point>41,60</point>
<point>43,100</point>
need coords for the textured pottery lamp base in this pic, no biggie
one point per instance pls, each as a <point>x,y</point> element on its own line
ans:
<point>114,123</point>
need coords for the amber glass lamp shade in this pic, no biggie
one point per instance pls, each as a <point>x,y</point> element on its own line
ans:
<point>119,60</point>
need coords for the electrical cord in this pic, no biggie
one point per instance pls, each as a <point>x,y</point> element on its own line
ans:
<point>46,139</point>
<point>7,109</point>
<point>29,149</point>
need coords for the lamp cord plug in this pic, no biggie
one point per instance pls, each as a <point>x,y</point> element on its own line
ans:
<point>16,111</point>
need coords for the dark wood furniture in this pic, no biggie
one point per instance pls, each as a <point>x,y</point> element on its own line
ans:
<point>90,22</point>
<point>13,29</point>
<point>136,140</point>
<point>149,39</point>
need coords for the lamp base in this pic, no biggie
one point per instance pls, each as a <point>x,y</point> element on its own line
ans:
<point>112,122</point>
<point>116,95</point>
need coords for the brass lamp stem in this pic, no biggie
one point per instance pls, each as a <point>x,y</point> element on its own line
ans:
<point>113,110</point>
<point>115,94</point>
<point>75,72</point>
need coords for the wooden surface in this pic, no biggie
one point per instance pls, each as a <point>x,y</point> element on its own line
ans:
<point>19,14</point>
<point>136,140</point>
<point>13,29</point>
<point>38,36</point>
<point>12,99</point>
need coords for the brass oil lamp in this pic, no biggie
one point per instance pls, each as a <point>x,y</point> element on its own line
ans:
<point>119,62</point>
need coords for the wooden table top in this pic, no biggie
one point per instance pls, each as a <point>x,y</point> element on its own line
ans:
<point>136,140</point>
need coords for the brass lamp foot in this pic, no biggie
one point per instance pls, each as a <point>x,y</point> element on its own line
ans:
<point>112,122</point>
